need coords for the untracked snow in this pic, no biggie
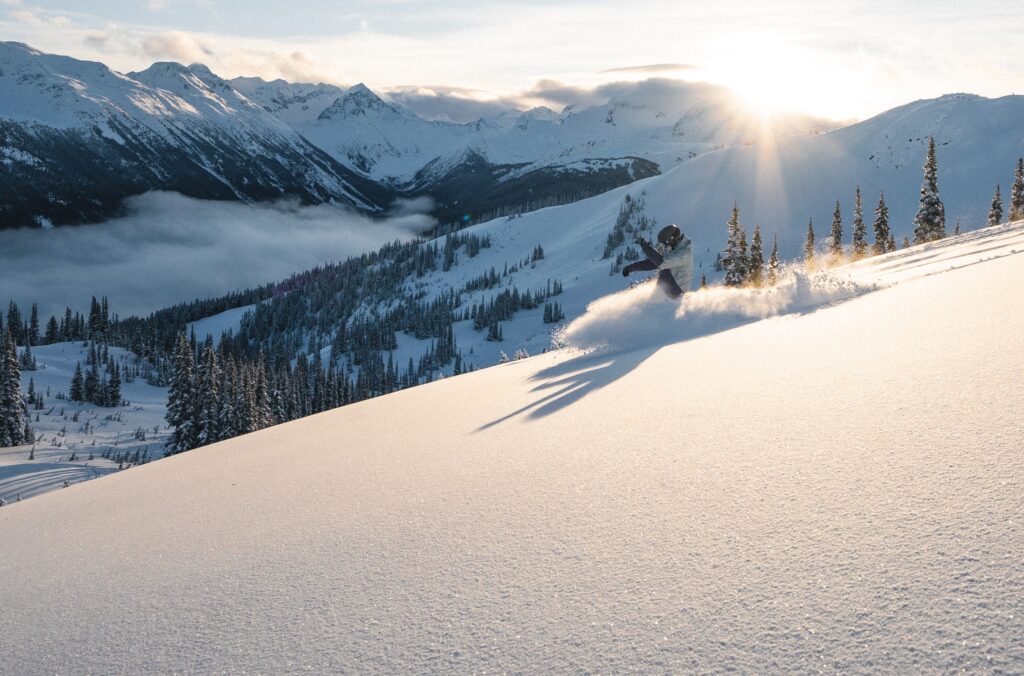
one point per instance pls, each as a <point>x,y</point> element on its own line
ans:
<point>824,490</point>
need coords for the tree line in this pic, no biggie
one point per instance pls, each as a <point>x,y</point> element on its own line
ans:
<point>745,264</point>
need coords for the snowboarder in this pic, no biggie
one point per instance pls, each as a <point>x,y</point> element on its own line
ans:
<point>674,259</point>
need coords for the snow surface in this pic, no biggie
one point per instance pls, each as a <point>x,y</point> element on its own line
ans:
<point>217,325</point>
<point>98,429</point>
<point>830,490</point>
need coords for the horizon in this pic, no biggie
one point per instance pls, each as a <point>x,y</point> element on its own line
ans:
<point>846,64</point>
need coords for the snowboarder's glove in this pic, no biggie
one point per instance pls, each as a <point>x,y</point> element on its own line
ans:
<point>625,272</point>
<point>640,241</point>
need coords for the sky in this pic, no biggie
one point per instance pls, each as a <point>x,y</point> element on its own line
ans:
<point>847,60</point>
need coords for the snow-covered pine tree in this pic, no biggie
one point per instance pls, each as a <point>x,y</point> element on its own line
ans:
<point>860,230</point>
<point>28,362</point>
<point>883,236</point>
<point>1017,192</point>
<point>835,245</point>
<point>12,409</point>
<point>930,222</point>
<point>773,263</point>
<point>755,261</point>
<point>809,244</point>
<point>14,326</point>
<point>995,212</point>
<point>181,399</point>
<point>33,327</point>
<point>264,417</point>
<point>77,389</point>
<point>208,403</point>
<point>52,331</point>
<point>734,257</point>
<point>114,386</point>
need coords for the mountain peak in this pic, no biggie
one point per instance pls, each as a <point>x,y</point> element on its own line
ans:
<point>358,101</point>
<point>202,70</point>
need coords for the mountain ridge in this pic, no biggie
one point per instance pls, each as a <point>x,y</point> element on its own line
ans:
<point>176,127</point>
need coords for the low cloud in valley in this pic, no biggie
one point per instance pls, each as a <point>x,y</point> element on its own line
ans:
<point>171,248</point>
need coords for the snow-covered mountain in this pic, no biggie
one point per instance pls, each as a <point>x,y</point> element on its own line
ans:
<point>828,489</point>
<point>76,138</point>
<point>292,103</point>
<point>665,122</point>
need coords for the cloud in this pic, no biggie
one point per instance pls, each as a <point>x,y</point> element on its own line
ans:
<point>451,104</point>
<point>653,68</point>
<point>224,57</point>
<point>170,249</point>
<point>558,94</point>
<point>27,16</point>
<point>177,46</point>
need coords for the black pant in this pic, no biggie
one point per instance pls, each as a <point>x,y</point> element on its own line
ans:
<point>666,282</point>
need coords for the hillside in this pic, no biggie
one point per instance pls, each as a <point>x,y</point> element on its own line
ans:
<point>828,489</point>
<point>781,185</point>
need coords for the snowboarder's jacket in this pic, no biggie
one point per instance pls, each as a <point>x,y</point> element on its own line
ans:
<point>676,266</point>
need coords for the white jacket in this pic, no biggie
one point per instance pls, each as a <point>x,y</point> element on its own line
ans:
<point>679,261</point>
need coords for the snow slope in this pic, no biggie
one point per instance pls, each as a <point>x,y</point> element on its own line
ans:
<point>825,490</point>
<point>71,436</point>
<point>778,185</point>
<point>781,185</point>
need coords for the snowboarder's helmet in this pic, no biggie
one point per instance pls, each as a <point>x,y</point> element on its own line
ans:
<point>670,235</point>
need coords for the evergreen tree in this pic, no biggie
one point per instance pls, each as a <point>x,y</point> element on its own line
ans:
<point>32,338</point>
<point>860,230</point>
<point>930,222</point>
<point>114,387</point>
<point>1016,193</point>
<point>734,257</point>
<point>14,325</point>
<point>995,212</point>
<point>52,331</point>
<point>883,236</point>
<point>77,391</point>
<point>28,362</point>
<point>12,409</point>
<point>264,417</point>
<point>835,247</point>
<point>181,399</point>
<point>809,245</point>
<point>773,263</point>
<point>207,410</point>
<point>92,384</point>
<point>755,261</point>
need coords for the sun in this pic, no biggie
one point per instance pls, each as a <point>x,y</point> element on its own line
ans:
<point>773,78</point>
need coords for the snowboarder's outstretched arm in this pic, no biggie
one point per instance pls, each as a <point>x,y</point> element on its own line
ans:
<point>652,254</point>
<point>639,266</point>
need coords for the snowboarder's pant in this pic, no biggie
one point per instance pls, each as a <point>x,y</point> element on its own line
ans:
<point>668,284</point>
